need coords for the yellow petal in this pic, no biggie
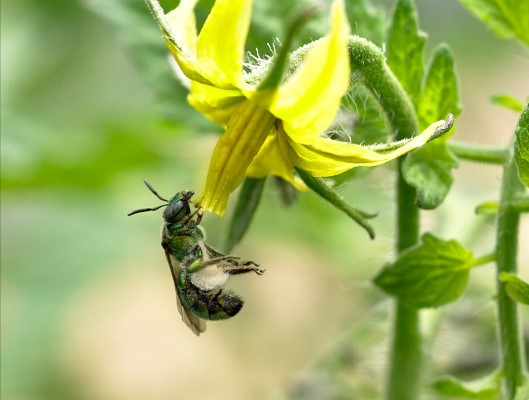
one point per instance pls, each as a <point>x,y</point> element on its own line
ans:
<point>178,32</point>
<point>215,103</point>
<point>326,157</point>
<point>182,22</point>
<point>272,161</point>
<point>308,102</point>
<point>235,150</point>
<point>220,46</point>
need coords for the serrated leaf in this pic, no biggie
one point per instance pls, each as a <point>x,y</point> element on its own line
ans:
<point>521,146</point>
<point>506,18</point>
<point>405,46</point>
<point>429,171</point>
<point>433,273</point>
<point>487,388</point>
<point>507,101</point>
<point>440,90</point>
<point>516,288</point>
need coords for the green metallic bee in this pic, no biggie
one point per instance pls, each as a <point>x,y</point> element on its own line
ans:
<point>199,272</point>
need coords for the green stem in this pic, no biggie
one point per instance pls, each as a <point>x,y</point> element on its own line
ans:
<point>478,262</point>
<point>369,68</point>
<point>521,204</point>
<point>488,155</point>
<point>406,346</point>
<point>511,347</point>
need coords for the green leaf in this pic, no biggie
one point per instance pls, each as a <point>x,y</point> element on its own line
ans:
<point>522,392</point>
<point>440,89</point>
<point>369,125</point>
<point>490,207</point>
<point>275,75</point>
<point>516,288</point>
<point>487,388</point>
<point>506,18</point>
<point>247,203</point>
<point>507,101</point>
<point>366,21</point>
<point>405,46</point>
<point>141,37</point>
<point>433,273</point>
<point>429,171</point>
<point>521,146</point>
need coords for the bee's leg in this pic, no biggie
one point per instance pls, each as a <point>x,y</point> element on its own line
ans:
<point>229,264</point>
<point>234,267</point>
<point>197,264</point>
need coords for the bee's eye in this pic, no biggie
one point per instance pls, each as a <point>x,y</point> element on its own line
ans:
<point>176,211</point>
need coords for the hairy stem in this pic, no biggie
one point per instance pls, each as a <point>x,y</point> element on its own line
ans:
<point>511,347</point>
<point>369,67</point>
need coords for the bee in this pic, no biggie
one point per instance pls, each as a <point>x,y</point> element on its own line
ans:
<point>199,272</point>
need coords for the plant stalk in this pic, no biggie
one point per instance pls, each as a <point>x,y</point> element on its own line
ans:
<point>405,355</point>
<point>511,347</point>
<point>487,155</point>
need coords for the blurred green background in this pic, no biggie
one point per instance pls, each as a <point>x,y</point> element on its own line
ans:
<point>88,307</point>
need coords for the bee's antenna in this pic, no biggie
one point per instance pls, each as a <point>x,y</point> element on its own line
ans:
<point>154,192</point>
<point>140,210</point>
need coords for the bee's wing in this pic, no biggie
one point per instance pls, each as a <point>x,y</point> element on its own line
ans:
<point>211,252</point>
<point>194,322</point>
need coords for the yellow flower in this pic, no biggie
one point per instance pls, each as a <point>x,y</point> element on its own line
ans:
<point>267,131</point>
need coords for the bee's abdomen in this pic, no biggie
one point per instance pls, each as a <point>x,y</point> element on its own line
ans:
<point>207,306</point>
<point>224,305</point>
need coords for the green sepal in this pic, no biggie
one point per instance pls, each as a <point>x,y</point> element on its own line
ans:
<point>405,46</point>
<point>247,203</point>
<point>430,274</point>
<point>319,186</point>
<point>486,388</point>
<point>506,18</point>
<point>507,101</point>
<point>288,194</point>
<point>516,288</point>
<point>521,146</point>
<point>278,69</point>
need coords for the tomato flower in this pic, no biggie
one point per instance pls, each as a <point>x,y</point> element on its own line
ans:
<point>274,130</point>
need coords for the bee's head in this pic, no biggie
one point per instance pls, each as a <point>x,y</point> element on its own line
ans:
<point>178,207</point>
